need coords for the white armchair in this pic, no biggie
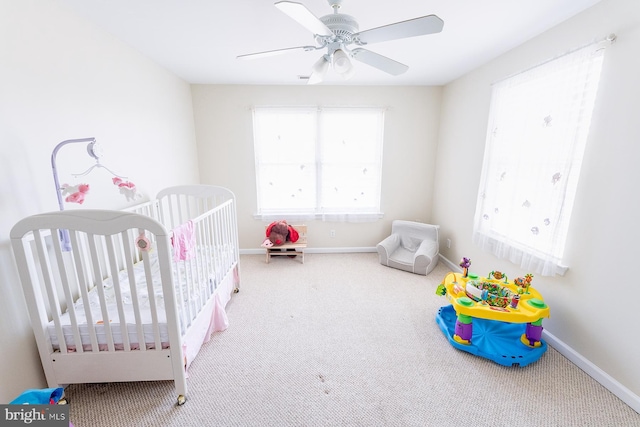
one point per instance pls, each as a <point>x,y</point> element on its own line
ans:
<point>412,246</point>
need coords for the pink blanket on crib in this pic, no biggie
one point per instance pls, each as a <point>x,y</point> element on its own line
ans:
<point>183,241</point>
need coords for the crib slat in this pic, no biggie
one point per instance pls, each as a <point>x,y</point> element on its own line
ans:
<point>218,235</point>
<point>115,277</point>
<point>82,270</point>
<point>97,281</point>
<point>191,285</point>
<point>185,294</point>
<point>152,301</point>
<point>49,282</point>
<point>203,259</point>
<point>211,254</point>
<point>142,345</point>
<point>66,286</point>
<point>203,263</point>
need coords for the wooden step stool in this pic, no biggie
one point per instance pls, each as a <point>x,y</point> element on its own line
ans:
<point>298,247</point>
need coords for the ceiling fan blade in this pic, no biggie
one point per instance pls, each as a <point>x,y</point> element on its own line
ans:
<point>378,61</point>
<point>299,13</point>
<point>414,27</point>
<point>273,52</point>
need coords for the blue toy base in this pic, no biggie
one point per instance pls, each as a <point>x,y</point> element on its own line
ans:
<point>492,339</point>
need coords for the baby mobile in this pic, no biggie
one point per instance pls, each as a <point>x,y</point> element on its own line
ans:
<point>77,193</point>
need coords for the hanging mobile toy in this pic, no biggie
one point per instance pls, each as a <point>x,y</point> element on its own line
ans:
<point>127,188</point>
<point>75,193</point>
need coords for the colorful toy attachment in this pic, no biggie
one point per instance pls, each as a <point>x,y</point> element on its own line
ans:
<point>465,263</point>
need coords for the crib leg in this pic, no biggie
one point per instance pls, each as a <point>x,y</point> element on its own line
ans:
<point>181,400</point>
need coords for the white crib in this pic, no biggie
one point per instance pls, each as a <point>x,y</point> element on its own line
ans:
<point>138,312</point>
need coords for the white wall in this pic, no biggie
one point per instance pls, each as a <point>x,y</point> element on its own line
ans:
<point>594,306</point>
<point>61,78</point>
<point>224,132</point>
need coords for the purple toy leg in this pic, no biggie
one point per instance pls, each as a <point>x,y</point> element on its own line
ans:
<point>533,333</point>
<point>464,331</point>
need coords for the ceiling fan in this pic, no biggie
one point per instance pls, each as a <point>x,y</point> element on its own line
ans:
<point>337,32</point>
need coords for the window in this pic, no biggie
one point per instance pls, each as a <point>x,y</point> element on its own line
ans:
<point>318,163</point>
<point>538,125</point>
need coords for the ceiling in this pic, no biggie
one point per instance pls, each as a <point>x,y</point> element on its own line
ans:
<point>199,40</point>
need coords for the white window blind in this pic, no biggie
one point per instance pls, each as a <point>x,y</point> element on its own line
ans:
<point>538,126</point>
<point>318,163</point>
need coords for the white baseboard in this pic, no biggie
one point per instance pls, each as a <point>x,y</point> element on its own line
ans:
<point>251,251</point>
<point>260,251</point>
<point>623,393</point>
<point>451,265</point>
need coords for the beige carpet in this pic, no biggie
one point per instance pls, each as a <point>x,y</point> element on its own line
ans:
<point>343,341</point>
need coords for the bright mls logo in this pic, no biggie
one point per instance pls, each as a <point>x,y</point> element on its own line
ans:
<point>34,415</point>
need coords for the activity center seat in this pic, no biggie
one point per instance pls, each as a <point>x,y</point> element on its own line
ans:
<point>493,317</point>
<point>291,249</point>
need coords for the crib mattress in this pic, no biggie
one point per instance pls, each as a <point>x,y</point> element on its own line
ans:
<point>188,294</point>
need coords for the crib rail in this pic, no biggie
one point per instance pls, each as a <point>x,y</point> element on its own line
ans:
<point>212,212</point>
<point>181,203</point>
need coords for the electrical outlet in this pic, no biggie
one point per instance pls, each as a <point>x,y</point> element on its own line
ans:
<point>332,233</point>
<point>449,243</point>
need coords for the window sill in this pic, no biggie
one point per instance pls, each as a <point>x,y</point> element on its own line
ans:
<point>333,217</point>
<point>526,258</point>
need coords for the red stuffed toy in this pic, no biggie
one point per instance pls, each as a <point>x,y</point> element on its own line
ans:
<point>278,233</point>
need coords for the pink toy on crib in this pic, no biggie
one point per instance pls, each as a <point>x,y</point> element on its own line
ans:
<point>127,188</point>
<point>75,193</point>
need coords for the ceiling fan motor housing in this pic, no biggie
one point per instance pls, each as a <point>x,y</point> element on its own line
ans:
<point>343,26</point>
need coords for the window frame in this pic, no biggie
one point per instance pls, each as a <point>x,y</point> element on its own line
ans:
<point>370,212</point>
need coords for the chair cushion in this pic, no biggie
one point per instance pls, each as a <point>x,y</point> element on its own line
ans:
<point>402,256</point>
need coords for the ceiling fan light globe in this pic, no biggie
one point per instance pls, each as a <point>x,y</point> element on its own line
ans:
<point>321,66</point>
<point>314,79</point>
<point>341,62</point>
<point>318,70</point>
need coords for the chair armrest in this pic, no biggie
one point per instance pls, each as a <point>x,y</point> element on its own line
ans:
<point>427,249</point>
<point>433,231</point>
<point>387,247</point>
<point>426,257</point>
